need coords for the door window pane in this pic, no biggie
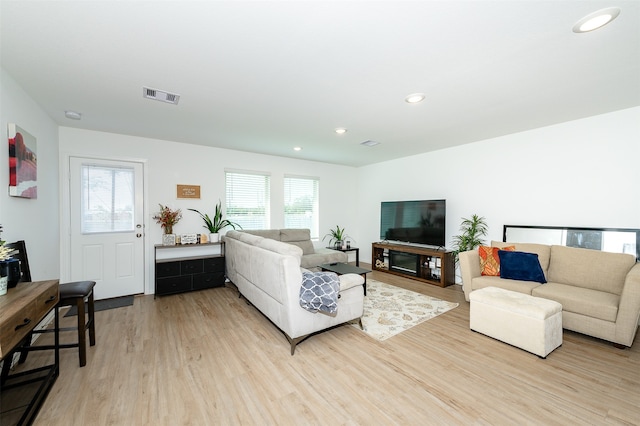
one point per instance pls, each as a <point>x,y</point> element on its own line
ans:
<point>107,199</point>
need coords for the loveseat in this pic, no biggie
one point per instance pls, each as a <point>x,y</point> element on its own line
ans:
<point>599,291</point>
<point>312,257</point>
<point>268,274</point>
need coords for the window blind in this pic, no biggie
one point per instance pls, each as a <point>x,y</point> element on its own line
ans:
<point>301,205</point>
<point>248,199</point>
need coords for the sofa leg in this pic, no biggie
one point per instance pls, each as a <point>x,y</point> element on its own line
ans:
<point>360,323</point>
<point>295,341</point>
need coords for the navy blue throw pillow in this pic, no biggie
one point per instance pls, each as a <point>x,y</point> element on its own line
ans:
<point>519,265</point>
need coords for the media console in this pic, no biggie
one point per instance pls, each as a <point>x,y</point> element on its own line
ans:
<point>420,263</point>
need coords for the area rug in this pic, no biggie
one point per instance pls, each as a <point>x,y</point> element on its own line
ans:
<point>105,304</point>
<point>389,310</point>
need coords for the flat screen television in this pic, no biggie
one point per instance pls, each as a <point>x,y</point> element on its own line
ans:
<point>417,222</point>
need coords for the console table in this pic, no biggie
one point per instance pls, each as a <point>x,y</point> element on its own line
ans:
<point>21,309</point>
<point>188,267</point>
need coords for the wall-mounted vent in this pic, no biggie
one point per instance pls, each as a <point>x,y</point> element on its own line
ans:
<point>160,95</point>
<point>369,143</point>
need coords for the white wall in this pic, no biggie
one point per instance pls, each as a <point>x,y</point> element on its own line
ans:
<point>32,220</point>
<point>170,163</point>
<point>579,173</point>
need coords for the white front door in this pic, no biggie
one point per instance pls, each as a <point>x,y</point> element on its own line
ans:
<point>107,229</point>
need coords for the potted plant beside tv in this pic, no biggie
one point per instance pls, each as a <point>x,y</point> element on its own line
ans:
<point>216,223</point>
<point>472,232</point>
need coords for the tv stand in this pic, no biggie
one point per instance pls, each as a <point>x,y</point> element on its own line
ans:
<point>423,264</point>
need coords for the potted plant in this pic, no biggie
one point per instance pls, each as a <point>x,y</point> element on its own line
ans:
<point>167,218</point>
<point>215,224</point>
<point>473,230</point>
<point>337,236</point>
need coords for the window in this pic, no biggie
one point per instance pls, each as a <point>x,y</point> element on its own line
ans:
<point>301,203</point>
<point>107,199</point>
<point>248,199</point>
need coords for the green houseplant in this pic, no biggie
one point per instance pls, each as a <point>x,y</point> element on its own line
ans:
<point>337,236</point>
<point>216,223</point>
<point>472,232</point>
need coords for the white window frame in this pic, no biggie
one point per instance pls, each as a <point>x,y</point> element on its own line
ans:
<point>248,190</point>
<point>295,188</point>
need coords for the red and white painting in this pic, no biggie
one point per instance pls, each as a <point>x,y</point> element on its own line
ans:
<point>23,163</point>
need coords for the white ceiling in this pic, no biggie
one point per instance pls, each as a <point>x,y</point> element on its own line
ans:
<point>266,76</point>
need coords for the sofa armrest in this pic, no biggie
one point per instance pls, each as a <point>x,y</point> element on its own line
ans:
<point>629,309</point>
<point>350,280</point>
<point>469,262</point>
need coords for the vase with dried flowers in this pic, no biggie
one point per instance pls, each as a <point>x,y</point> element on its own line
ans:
<point>167,218</point>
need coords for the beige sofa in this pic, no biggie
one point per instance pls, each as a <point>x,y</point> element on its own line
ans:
<point>312,257</point>
<point>599,291</point>
<point>268,274</point>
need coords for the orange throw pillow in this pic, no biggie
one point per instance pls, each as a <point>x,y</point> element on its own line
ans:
<point>489,260</point>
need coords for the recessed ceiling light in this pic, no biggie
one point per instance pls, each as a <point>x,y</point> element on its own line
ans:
<point>596,20</point>
<point>73,115</point>
<point>414,98</point>
<point>297,148</point>
<point>341,130</point>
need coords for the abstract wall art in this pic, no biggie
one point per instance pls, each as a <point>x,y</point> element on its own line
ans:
<point>23,163</point>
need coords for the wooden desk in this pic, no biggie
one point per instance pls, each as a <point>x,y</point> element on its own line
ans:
<point>21,309</point>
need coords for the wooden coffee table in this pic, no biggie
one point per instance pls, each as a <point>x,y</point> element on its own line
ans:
<point>345,268</point>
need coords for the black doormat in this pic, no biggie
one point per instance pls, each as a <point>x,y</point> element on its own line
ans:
<point>103,305</point>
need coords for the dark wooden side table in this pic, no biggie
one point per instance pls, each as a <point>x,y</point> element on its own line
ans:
<point>346,250</point>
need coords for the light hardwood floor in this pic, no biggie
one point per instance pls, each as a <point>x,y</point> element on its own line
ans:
<point>209,358</point>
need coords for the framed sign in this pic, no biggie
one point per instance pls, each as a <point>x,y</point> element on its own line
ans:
<point>188,191</point>
<point>189,239</point>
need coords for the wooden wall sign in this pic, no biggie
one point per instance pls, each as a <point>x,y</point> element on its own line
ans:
<point>188,191</point>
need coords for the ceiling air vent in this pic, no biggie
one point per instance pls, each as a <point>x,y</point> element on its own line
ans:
<point>369,143</point>
<point>159,95</point>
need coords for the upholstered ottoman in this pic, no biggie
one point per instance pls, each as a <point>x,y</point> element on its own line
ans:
<point>527,322</point>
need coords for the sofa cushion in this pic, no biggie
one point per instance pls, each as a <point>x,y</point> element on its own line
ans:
<point>306,246</point>
<point>273,234</point>
<point>323,255</point>
<point>542,250</point>
<point>279,247</point>
<point>247,238</point>
<point>489,260</point>
<point>288,235</point>
<point>583,301</point>
<point>518,265</point>
<point>514,285</point>
<point>593,269</point>
<point>297,237</point>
